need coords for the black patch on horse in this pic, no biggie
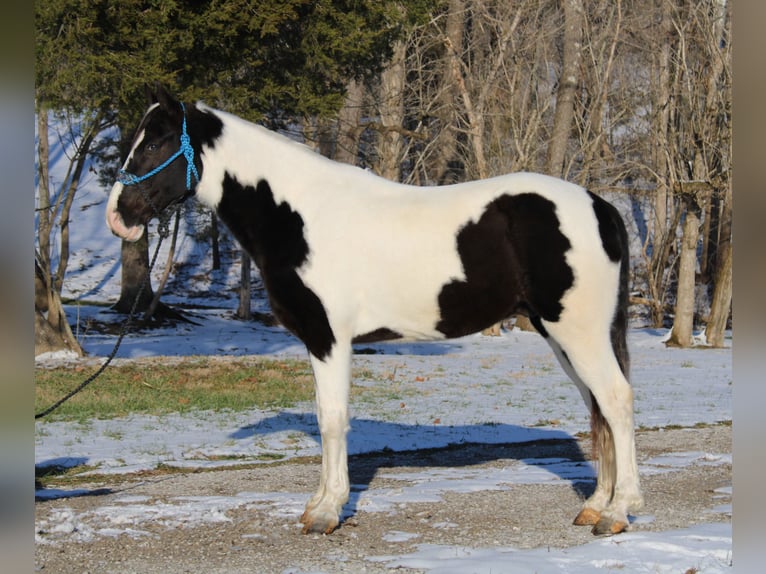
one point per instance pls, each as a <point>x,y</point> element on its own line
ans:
<point>206,128</point>
<point>273,235</point>
<point>514,260</point>
<point>382,334</point>
<point>609,227</point>
<point>614,239</point>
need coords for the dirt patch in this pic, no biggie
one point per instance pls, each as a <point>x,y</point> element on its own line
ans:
<point>252,537</point>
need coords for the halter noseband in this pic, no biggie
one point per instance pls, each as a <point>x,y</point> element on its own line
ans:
<point>186,150</point>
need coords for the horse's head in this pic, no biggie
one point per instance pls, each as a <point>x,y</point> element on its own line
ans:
<point>162,168</point>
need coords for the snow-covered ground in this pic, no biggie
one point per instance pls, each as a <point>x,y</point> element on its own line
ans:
<point>475,389</point>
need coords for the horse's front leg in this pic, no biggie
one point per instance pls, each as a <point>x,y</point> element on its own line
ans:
<point>332,378</point>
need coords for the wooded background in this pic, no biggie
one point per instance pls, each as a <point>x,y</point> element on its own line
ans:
<point>631,99</point>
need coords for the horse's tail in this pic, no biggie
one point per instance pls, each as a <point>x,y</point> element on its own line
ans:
<point>619,329</point>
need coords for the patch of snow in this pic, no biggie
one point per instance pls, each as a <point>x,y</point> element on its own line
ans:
<point>51,356</point>
<point>703,548</point>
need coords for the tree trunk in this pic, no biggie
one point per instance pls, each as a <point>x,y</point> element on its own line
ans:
<point>709,230</point>
<point>567,90</point>
<point>661,233</point>
<point>152,308</point>
<point>719,225</point>
<point>662,123</point>
<point>52,332</point>
<point>135,268</point>
<point>83,150</point>
<point>683,322</point>
<point>214,239</point>
<point>47,339</point>
<point>44,215</point>
<point>594,138</point>
<point>349,124</point>
<point>475,119</point>
<point>243,311</point>
<point>445,142</point>
<point>391,111</point>
<point>720,306</point>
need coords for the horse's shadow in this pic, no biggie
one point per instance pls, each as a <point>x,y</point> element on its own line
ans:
<point>553,451</point>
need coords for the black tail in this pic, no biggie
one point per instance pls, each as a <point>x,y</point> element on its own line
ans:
<point>619,330</point>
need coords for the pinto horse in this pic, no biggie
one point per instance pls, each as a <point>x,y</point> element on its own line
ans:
<point>347,256</point>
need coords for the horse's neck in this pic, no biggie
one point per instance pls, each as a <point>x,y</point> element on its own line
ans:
<point>265,187</point>
<point>251,153</point>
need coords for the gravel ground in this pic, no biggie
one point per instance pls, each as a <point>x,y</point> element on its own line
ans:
<point>525,516</point>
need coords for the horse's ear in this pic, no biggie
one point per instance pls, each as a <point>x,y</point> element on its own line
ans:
<point>159,94</point>
<point>151,96</point>
<point>166,100</point>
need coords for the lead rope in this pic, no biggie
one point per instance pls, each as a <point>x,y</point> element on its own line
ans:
<point>163,230</point>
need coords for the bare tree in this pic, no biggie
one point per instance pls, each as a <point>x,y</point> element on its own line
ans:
<point>135,285</point>
<point>601,108</point>
<point>155,302</point>
<point>350,123</point>
<point>717,111</point>
<point>720,307</point>
<point>683,320</point>
<point>244,311</point>
<point>445,99</point>
<point>662,227</point>
<point>390,107</point>
<point>701,66</point>
<point>568,85</point>
<point>53,212</point>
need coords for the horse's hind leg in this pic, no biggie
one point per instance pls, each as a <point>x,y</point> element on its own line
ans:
<point>591,362</point>
<point>602,447</point>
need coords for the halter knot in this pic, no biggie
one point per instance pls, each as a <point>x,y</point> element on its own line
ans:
<point>186,149</point>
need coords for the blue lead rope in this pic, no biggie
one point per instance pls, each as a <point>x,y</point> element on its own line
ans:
<point>186,150</point>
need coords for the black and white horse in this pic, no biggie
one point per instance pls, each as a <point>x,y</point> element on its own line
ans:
<point>347,256</point>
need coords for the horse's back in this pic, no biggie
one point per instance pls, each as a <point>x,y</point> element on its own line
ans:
<point>452,260</point>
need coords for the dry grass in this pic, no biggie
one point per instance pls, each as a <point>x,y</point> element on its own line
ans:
<point>198,384</point>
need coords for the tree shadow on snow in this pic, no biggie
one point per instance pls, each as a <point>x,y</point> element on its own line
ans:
<point>374,445</point>
<point>58,467</point>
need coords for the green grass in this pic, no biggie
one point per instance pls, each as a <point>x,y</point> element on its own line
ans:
<point>194,384</point>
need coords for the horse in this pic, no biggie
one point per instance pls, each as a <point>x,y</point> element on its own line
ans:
<point>347,256</point>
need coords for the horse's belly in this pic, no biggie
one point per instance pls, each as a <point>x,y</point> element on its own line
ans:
<point>401,312</point>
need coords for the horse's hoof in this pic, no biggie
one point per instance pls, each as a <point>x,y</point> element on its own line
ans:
<point>607,527</point>
<point>314,528</point>
<point>318,525</point>
<point>587,517</point>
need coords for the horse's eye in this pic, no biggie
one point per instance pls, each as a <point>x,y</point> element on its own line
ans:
<point>152,147</point>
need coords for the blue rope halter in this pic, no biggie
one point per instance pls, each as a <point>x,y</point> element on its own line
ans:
<point>186,150</point>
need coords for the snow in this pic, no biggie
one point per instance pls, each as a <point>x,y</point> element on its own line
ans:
<point>708,546</point>
<point>471,390</point>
